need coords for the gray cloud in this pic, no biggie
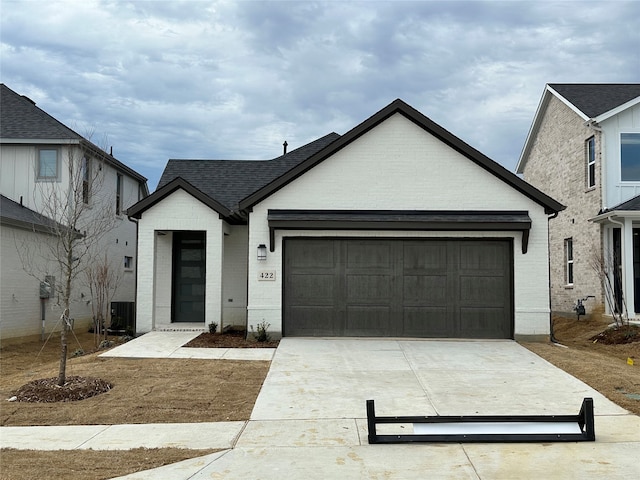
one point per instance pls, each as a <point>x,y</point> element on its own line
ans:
<point>224,79</point>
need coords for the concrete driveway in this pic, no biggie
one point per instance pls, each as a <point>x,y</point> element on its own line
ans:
<point>310,422</point>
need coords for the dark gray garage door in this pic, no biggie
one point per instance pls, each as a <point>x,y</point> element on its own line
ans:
<point>399,288</point>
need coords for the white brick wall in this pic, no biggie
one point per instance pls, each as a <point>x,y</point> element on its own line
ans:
<point>399,166</point>
<point>179,211</point>
<point>234,283</point>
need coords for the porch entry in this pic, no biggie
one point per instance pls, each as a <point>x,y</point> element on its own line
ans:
<point>189,274</point>
<point>617,259</point>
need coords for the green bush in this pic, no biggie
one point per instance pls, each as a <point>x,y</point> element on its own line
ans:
<point>260,334</point>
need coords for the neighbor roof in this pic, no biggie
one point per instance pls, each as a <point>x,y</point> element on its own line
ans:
<point>595,99</point>
<point>590,101</point>
<point>21,121</point>
<point>628,208</point>
<point>16,215</point>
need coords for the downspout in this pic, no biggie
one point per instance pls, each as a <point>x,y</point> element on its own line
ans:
<point>552,338</point>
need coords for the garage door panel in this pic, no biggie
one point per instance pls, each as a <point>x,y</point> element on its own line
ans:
<point>483,257</point>
<point>426,322</point>
<point>482,291</point>
<point>368,321</point>
<point>312,289</point>
<point>455,288</point>
<point>425,257</point>
<point>311,321</point>
<point>314,255</point>
<point>369,288</point>
<point>483,322</point>
<point>425,289</point>
<point>368,255</point>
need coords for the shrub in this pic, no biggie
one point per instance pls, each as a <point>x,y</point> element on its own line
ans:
<point>260,334</point>
<point>213,327</point>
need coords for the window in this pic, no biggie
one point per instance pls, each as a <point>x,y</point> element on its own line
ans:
<point>47,163</point>
<point>119,194</point>
<point>86,166</point>
<point>128,263</point>
<point>591,162</point>
<point>630,157</point>
<point>568,255</point>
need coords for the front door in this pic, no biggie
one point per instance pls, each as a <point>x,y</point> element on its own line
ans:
<point>189,254</point>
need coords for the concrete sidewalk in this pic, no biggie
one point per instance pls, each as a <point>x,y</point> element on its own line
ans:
<point>309,420</point>
<point>170,345</point>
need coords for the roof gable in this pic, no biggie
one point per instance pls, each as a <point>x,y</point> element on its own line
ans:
<point>590,101</point>
<point>400,107</point>
<point>139,208</point>
<point>595,99</point>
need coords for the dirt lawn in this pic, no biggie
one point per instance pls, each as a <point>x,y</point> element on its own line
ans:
<point>152,391</point>
<point>603,367</point>
<point>144,391</point>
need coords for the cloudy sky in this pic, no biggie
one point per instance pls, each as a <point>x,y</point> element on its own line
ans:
<point>234,79</point>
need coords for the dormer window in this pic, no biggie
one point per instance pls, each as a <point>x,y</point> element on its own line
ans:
<point>630,157</point>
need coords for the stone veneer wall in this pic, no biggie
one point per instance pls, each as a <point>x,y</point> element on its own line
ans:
<point>557,166</point>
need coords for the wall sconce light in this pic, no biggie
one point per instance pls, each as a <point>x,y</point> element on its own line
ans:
<point>262,252</point>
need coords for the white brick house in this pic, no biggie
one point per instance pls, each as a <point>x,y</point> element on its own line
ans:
<point>396,228</point>
<point>583,149</point>
<point>35,153</point>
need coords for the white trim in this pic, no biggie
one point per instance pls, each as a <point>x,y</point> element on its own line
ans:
<point>615,213</point>
<point>40,141</point>
<point>568,104</point>
<point>617,110</point>
<point>542,105</point>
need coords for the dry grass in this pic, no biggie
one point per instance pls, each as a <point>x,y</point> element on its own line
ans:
<point>87,464</point>
<point>145,391</point>
<point>603,367</point>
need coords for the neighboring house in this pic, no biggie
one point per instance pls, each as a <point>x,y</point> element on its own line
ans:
<point>35,151</point>
<point>396,228</point>
<point>583,149</point>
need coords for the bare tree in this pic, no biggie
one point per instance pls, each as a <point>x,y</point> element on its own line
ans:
<point>607,266</point>
<point>102,278</point>
<point>81,212</point>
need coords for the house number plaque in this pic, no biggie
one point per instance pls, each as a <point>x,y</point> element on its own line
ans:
<point>267,275</point>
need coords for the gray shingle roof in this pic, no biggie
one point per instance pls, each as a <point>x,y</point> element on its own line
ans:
<point>229,181</point>
<point>628,205</point>
<point>594,99</point>
<point>21,119</point>
<point>12,213</point>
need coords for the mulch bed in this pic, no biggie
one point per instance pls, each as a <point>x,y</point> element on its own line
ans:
<point>618,335</point>
<point>47,390</point>
<point>232,339</point>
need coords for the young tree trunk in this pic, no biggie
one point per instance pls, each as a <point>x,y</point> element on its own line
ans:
<point>62,372</point>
